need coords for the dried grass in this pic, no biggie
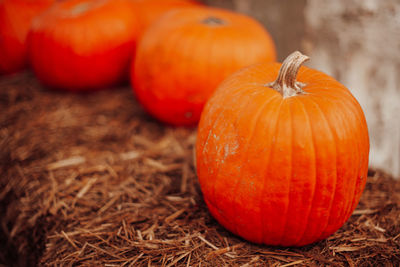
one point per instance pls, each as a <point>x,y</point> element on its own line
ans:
<point>90,179</point>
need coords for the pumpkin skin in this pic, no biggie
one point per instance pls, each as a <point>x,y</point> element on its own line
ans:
<point>84,45</point>
<point>148,11</point>
<point>184,56</point>
<point>15,20</point>
<point>282,171</point>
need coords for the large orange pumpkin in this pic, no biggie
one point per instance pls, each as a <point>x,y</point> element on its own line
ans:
<point>15,20</point>
<point>183,57</point>
<point>83,45</point>
<point>284,162</point>
<point>148,11</point>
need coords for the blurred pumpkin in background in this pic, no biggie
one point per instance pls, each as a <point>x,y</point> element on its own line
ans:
<point>83,45</point>
<point>15,20</point>
<point>183,57</point>
<point>148,11</point>
<point>282,153</point>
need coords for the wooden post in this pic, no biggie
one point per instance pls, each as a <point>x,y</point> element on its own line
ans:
<point>358,42</point>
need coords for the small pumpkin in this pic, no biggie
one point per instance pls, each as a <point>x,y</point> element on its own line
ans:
<point>83,45</point>
<point>183,57</point>
<point>282,162</point>
<point>148,11</point>
<point>15,20</point>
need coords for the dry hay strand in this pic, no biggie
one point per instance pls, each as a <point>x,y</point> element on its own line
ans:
<point>90,179</point>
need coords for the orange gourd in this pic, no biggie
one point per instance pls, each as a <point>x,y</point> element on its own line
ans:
<point>282,162</point>
<point>183,57</point>
<point>84,45</point>
<point>148,11</point>
<point>15,20</point>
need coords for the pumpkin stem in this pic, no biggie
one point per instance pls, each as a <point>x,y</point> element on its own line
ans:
<point>286,83</point>
<point>213,21</point>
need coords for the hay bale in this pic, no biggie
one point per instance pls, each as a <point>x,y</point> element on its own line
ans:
<point>90,179</point>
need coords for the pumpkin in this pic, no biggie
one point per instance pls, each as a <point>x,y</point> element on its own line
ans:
<point>183,57</point>
<point>148,11</point>
<point>282,153</point>
<point>15,20</point>
<point>83,45</point>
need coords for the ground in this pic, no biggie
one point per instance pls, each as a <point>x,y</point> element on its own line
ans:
<point>91,179</point>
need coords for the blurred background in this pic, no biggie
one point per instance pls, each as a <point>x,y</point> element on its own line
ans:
<point>355,41</point>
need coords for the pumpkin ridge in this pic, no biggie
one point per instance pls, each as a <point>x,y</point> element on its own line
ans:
<point>253,126</point>
<point>173,43</point>
<point>350,110</point>
<point>255,123</point>
<point>290,108</point>
<point>278,114</point>
<point>356,196</point>
<point>333,94</point>
<point>357,155</point>
<point>234,96</point>
<point>189,61</point>
<point>232,58</point>
<point>142,88</point>
<point>211,50</point>
<point>221,117</point>
<point>323,116</point>
<point>342,94</point>
<point>334,135</point>
<point>315,171</point>
<point>309,76</point>
<point>354,169</point>
<point>262,212</point>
